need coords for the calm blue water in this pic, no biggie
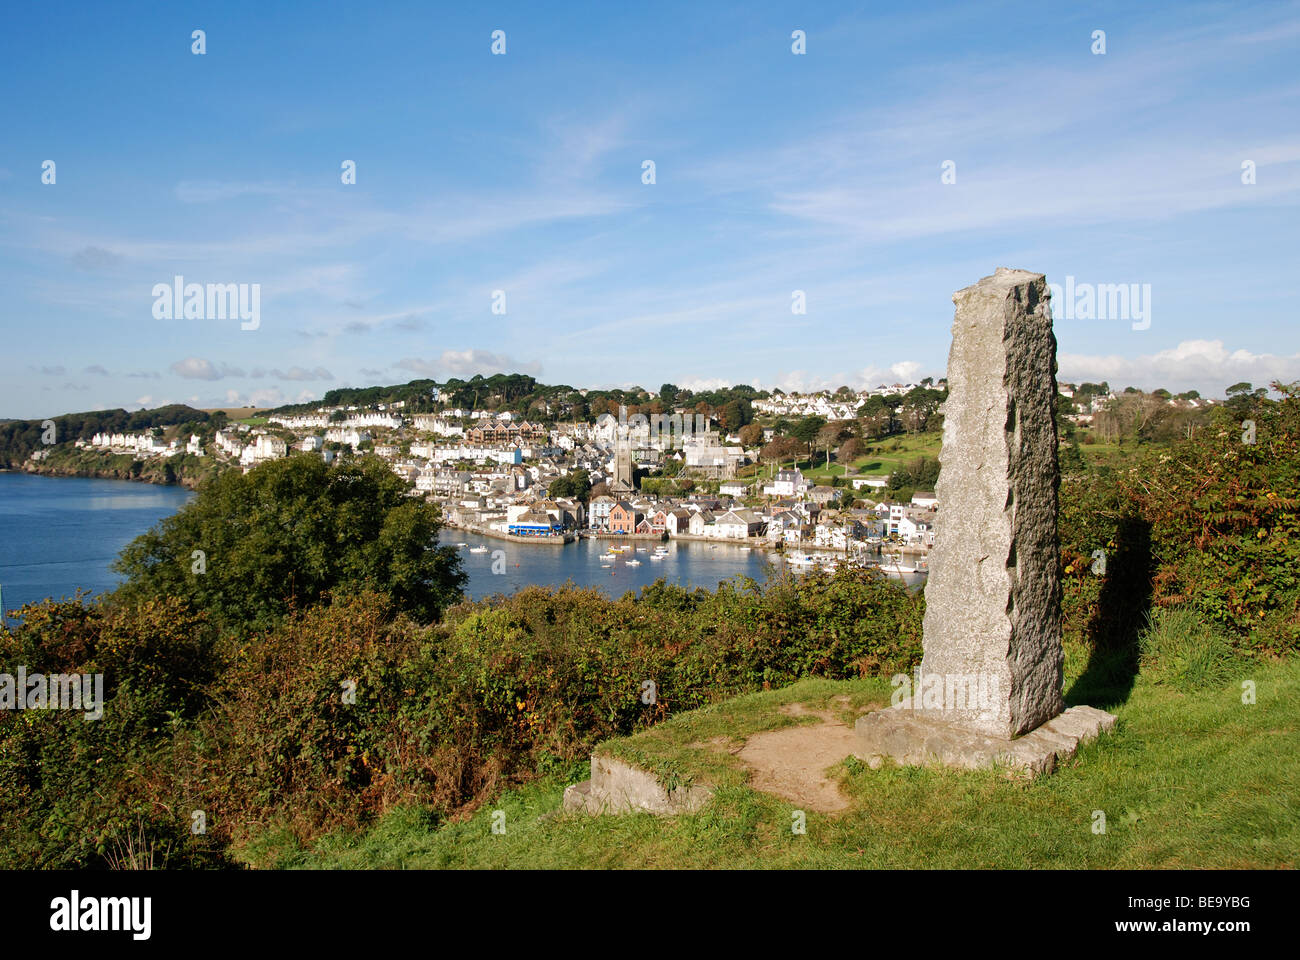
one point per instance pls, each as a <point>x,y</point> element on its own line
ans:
<point>688,564</point>
<point>58,534</point>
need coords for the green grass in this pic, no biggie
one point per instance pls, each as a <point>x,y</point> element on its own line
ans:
<point>1191,778</point>
<point>883,460</point>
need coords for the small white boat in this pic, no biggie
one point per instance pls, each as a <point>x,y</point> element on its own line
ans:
<point>896,569</point>
<point>656,556</point>
<point>800,560</point>
<point>633,562</point>
<point>606,565</point>
<point>640,549</point>
<point>607,556</point>
<point>478,549</point>
<point>461,546</point>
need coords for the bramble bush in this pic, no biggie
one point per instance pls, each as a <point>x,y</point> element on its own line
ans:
<point>443,715</point>
<point>72,792</point>
<point>1209,522</point>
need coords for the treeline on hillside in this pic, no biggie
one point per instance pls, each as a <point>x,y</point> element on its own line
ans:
<point>524,396</point>
<point>18,438</point>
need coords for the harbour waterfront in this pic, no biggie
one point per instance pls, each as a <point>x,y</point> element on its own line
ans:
<point>685,564</point>
<point>58,534</point>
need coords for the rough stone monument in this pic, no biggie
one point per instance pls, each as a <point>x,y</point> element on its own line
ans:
<point>989,687</point>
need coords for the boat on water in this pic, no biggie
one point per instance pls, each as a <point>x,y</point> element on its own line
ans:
<point>656,556</point>
<point>897,569</point>
<point>633,562</point>
<point>461,546</point>
<point>800,560</point>
<point>607,556</point>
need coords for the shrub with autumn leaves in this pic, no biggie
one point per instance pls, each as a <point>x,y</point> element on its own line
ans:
<point>1210,522</point>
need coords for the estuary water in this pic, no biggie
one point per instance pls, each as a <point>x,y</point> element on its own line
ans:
<point>60,533</point>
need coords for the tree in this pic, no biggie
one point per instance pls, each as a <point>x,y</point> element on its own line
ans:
<point>918,407</point>
<point>291,533</point>
<point>750,434</point>
<point>850,450</point>
<point>1242,399</point>
<point>732,416</point>
<point>573,486</point>
<point>876,417</point>
<point>1133,416</point>
<point>806,430</point>
<point>780,449</point>
<point>668,393</point>
<point>1072,460</point>
<point>919,474</point>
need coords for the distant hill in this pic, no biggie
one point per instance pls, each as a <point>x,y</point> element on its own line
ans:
<point>18,438</point>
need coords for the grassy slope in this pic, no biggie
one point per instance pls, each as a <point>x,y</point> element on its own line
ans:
<point>884,462</point>
<point>1189,779</point>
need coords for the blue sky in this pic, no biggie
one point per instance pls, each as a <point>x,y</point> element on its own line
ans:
<point>775,172</point>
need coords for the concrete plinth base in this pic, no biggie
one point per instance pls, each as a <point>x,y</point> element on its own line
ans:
<point>618,787</point>
<point>914,738</point>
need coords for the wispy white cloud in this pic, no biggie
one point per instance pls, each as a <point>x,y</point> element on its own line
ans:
<point>197,368</point>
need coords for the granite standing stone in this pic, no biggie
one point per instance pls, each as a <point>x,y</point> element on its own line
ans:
<point>993,596</point>
<point>989,686</point>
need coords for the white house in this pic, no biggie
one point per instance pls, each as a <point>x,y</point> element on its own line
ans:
<point>348,436</point>
<point>702,525</point>
<point>263,448</point>
<point>738,525</point>
<point>787,483</point>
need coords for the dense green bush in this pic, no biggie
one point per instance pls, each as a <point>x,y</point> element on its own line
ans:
<point>261,730</point>
<point>1209,522</point>
<point>76,792</point>
<point>293,532</point>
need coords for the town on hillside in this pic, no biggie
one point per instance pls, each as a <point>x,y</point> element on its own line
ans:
<point>780,470</point>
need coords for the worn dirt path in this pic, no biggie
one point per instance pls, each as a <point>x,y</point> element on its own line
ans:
<point>792,762</point>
